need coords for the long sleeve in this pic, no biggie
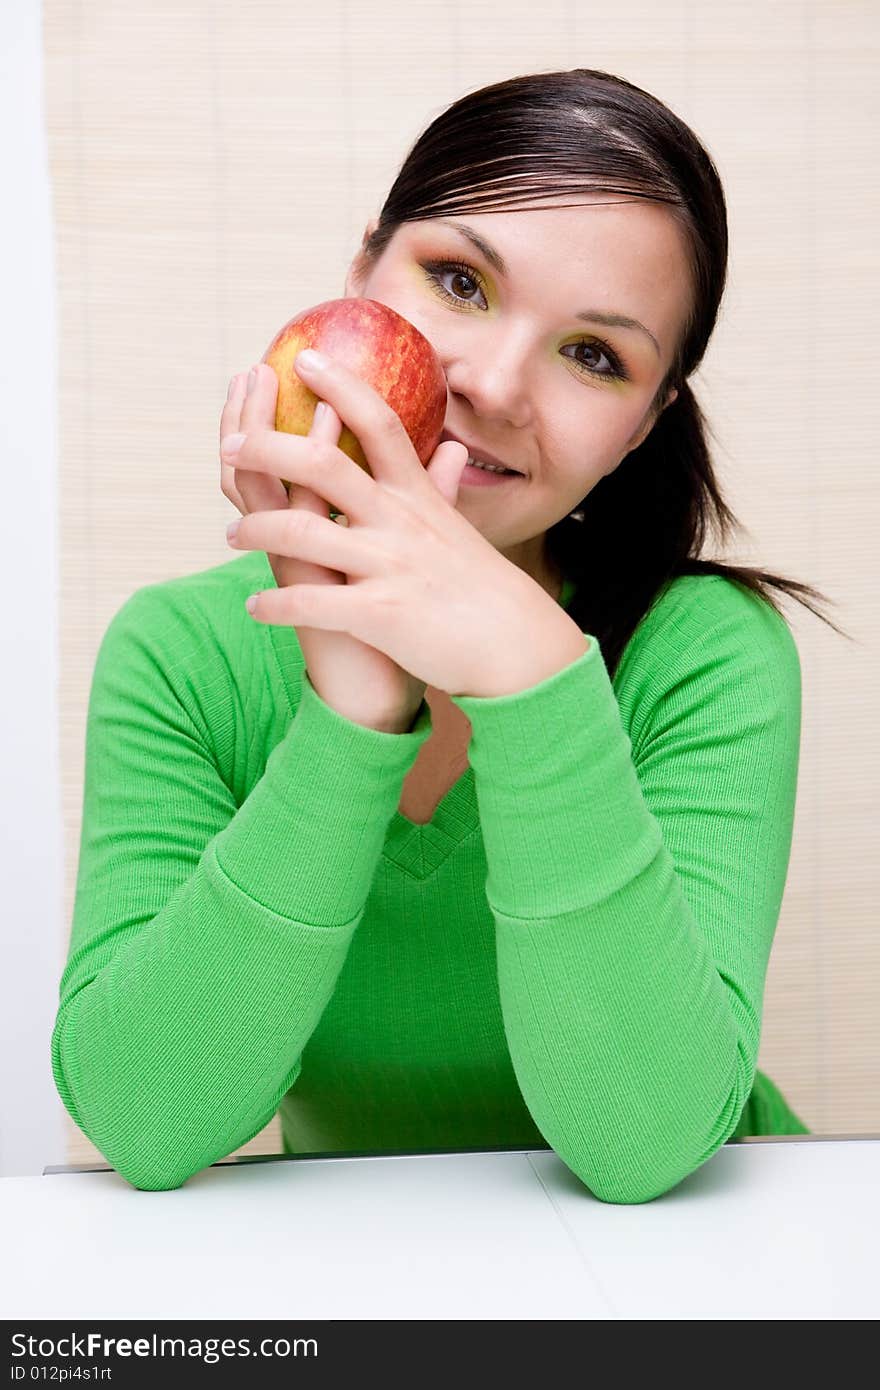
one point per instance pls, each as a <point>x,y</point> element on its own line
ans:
<point>207,936</point>
<point>636,879</point>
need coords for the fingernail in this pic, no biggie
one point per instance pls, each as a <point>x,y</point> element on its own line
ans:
<point>312,361</point>
<point>232,385</point>
<point>320,412</point>
<point>231,529</point>
<point>231,445</point>
<point>252,380</point>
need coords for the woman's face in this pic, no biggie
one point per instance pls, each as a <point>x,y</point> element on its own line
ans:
<point>546,392</point>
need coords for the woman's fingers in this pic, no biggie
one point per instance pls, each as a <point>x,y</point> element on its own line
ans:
<point>231,412</point>
<point>378,428</point>
<point>261,492</point>
<point>304,499</point>
<point>229,419</point>
<point>311,462</point>
<point>307,541</point>
<point>327,426</point>
<point>445,469</point>
<point>247,412</point>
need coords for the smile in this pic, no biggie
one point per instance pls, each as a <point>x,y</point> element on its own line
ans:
<point>484,477</point>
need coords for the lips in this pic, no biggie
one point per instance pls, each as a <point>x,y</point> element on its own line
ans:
<point>478,452</point>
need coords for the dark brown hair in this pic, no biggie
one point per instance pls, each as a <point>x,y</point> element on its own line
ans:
<point>551,134</point>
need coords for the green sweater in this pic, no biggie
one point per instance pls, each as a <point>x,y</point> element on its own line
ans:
<point>572,953</point>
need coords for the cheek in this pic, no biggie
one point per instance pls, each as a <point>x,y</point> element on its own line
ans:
<point>411,285</point>
<point>404,290</point>
<point>588,448</point>
<point>586,435</point>
<point>614,428</point>
<point>389,284</point>
<point>414,277</point>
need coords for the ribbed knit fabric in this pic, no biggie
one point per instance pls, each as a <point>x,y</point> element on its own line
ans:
<point>571,953</point>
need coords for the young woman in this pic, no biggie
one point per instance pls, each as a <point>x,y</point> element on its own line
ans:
<point>474,832</point>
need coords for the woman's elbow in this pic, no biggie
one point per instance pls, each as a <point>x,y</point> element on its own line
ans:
<point>146,1175</point>
<point>623,1180</point>
<point>631,1194</point>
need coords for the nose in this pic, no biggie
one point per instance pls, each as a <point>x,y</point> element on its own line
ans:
<point>495,374</point>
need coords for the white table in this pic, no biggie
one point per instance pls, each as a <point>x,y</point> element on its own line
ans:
<point>768,1228</point>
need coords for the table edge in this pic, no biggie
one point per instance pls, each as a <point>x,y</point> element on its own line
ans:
<point>54,1168</point>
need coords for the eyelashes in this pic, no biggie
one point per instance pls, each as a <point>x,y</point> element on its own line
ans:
<point>436,270</point>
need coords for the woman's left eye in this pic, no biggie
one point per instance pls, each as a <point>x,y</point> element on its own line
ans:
<point>614,368</point>
<point>436,271</point>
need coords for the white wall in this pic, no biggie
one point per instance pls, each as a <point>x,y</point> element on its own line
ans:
<point>31,843</point>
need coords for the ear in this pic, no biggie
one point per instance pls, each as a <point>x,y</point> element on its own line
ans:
<point>357,271</point>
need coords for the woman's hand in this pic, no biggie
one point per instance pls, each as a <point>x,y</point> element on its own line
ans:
<point>424,586</point>
<point>360,683</point>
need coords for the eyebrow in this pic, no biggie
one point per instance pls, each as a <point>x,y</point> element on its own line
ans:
<point>498,262</point>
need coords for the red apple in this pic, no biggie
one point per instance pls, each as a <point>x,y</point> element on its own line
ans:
<point>380,346</point>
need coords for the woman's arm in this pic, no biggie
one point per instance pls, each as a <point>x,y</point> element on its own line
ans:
<point>207,937</point>
<point>636,881</point>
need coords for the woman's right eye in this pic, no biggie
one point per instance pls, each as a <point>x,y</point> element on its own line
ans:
<point>436,270</point>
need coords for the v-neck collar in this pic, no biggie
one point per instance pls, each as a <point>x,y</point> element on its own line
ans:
<point>421,849</point>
